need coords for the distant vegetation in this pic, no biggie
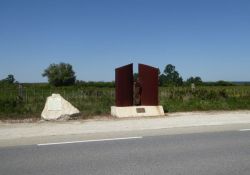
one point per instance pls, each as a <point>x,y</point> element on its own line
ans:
<point>10,79</point>
<point>62,74</point>
<point>99,84</point>
<point>95,98</point>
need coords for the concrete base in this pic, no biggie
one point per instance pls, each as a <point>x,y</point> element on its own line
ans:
<point>136,111</point>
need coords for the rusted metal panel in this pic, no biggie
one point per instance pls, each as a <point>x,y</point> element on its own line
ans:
<point>124,86</point>
<point>148,77</point>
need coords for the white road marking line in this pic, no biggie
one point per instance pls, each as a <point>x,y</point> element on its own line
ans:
<point>87,141</point>
<point>244,130</point>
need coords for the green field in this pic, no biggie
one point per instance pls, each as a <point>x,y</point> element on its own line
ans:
<point>92,101</point>
<point>205,98</point>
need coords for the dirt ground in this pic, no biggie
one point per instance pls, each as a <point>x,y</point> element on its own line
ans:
<point>30,128</point>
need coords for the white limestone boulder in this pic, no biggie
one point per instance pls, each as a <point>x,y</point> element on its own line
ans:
<point>57,108</point>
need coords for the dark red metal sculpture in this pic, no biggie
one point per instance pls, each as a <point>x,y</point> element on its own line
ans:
<point>146,85</point>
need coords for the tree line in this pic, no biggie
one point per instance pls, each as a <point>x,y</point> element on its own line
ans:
<point>171,77</point>
<point>62,74</point>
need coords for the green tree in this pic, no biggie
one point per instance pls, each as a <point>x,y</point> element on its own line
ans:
<point>171,76</point>
<point>60,74</point>
<point>195,80</point>
<point>10,79</point>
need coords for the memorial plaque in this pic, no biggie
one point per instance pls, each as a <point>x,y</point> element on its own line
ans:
<point>54,104</point>
<point>148,77</point>
<point>140,110</point>
<point>124,86</point>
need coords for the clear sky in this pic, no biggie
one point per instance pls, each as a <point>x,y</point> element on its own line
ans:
<point>207,38</point>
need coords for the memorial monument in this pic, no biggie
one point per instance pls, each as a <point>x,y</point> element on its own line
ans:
<point>135,98</point>
<point>57,108</point>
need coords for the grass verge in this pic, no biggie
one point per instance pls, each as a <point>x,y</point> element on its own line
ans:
<point>92,101</point>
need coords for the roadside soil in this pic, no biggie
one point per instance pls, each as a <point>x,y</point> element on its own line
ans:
<point>109,117</point>
<point>10,130</point>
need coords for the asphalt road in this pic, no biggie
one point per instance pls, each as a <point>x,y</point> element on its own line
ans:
<point>220,153</point>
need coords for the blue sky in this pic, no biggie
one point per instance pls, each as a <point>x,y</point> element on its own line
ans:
<point>207,38</point>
